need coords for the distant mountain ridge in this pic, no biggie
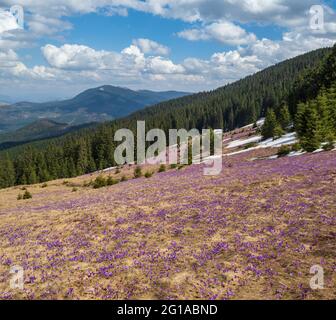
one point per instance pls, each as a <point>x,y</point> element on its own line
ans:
<point>93,105</point>
<point>40,129</point>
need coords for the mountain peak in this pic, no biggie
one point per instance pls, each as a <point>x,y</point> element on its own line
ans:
<point>98,104</point>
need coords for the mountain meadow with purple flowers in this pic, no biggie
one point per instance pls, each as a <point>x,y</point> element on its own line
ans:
<point>252,232</point>
<point>79,226</point>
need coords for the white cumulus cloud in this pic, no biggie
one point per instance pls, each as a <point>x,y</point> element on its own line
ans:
<point>158,65</point>
<point>77,57</point>
<point>148,46</point>
<point>224,31</point>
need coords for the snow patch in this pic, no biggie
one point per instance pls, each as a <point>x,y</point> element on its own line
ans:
<point>287,139</point>
<point>260,123</point>
<point>108,169</point>
<point>243,142</point>
<point>296,153</point>
<point>241,151</point>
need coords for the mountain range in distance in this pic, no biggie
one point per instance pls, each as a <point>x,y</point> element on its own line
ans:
<point>93,105</point>
<point>39,130</point>
<point>5,100</point>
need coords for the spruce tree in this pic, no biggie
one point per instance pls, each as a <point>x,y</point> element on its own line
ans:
<point>268,129</point>
<point>7,172</point>
<point>331,109</point>
<point>278,132</point>
<point>323,114</point>
<point>81,158</point>
<point>311,140</point>
<point>300,120</point>
<point>284,117</point>
<point>31,175</point>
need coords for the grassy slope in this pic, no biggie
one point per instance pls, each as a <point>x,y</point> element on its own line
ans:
<point>252,232</point>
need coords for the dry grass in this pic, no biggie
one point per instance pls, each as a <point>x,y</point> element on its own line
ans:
<point>251,233</point>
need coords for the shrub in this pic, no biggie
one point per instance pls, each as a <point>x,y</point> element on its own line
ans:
<point>162,168</point>
<point>284,151</point>
<point>44,185</point>
<point>148,174</point>
<point>328,147</point>
<point>250,145</point>
<point>87,184</point>
<point>117,171</point>
<point>99,182</point>
<point>173,166</point>
<point>278,132</point>
<point>137,172</point>
<point>27,195</point>
<point>23,188</point>
<point>71,184</point>
<point>296,147</point>
<point>65,182</point>
<point>110,181</point>
<point>19,197</point>
<point>123,178</point>
<point>330,143</point>
<point>310,145</point>
<point>74,189</point>
<point>258,130</point>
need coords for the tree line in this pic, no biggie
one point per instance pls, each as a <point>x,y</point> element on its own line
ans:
<point>312,107</point>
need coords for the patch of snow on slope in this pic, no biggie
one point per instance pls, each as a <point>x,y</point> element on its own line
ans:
<point>287,139</point>
<point>260,123</point>
<point>296,153</point>
<point>239,143</point>
<point>108,169</point>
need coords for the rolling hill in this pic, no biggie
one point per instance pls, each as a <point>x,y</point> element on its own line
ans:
<point>93,105</point>
<point>38,130</point>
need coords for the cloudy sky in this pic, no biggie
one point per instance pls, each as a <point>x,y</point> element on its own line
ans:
<point>65,46</point>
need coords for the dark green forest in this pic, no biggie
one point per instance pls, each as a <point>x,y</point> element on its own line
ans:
<point>311,107</point>
<point>294,82</point>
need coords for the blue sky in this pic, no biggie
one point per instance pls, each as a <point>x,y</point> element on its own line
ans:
<point>68,46</point>
<point>117,32</point>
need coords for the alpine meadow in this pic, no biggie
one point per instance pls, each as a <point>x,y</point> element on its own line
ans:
<point>167,151</point>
